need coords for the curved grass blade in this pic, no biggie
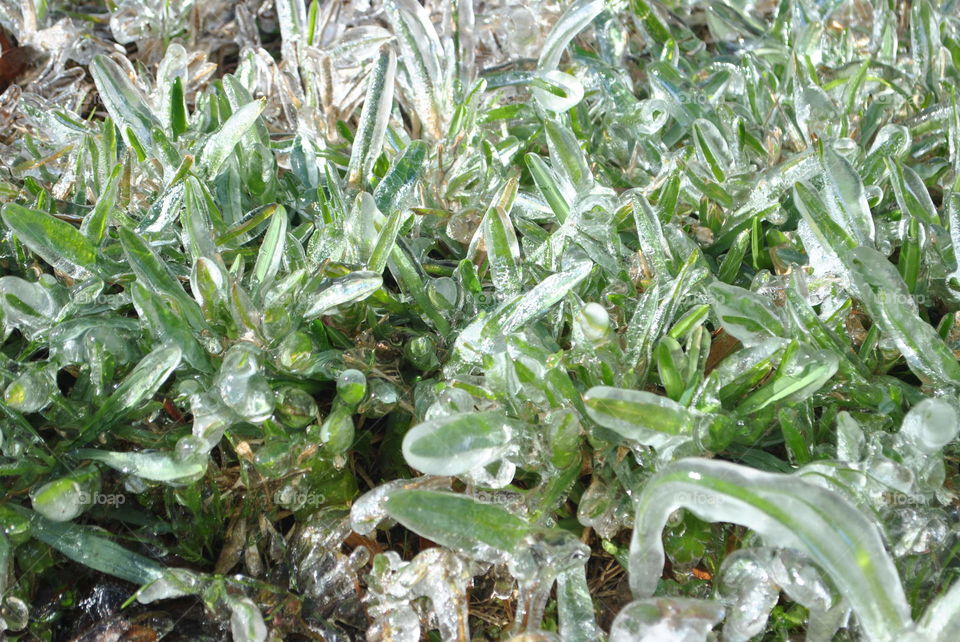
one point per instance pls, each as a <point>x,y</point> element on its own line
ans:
<point>786,511</point>
<point>574,20</point>
<point>459,443</point>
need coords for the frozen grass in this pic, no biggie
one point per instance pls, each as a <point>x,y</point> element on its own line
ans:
<point>388,321</point>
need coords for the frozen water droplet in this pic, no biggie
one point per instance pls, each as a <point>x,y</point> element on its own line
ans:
<point>242,386</point>
<point>594,323</point>
<point>598,509</point>
<point>443,293</point>
<point>437,574</point>
<point>930,425</point>
<point>65,498</point>
<point>803,582</point>
<point>30,391</point>
<point>351,386</point>
<point>917,531</point>
<point>14,614</point>
<point>37,307</point>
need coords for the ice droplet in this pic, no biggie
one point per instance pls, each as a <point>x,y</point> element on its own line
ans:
<point>65,498</point>
<point>30,391</point>
<point>242,386</point>
<point>930,425</point>
<point>598,509</point>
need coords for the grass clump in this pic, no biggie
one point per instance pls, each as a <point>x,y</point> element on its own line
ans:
<point>460,320</point>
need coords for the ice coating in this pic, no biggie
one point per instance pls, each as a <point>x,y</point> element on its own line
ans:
<point>787,512</point>
<point>665,618</point>
<point>748,592</point>
<point>242,386</point>
<point>437,574</point>
<point>458,444</point>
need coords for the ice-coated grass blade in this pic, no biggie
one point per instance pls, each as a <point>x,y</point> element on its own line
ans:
<point>503,249</point>
<point>421,53</point>
<point>94,225</point>
<point>845,197</point>
<point>154,466</point>
<point>891,306</point>
<point>292,17</point>
<point>712,148</point>
<point>745,315</point>
<point>806,379</point>
<point>832,234</point>
<point>459,443</point>
<point>351,288</point>
<point>912,195</point>
<point>154,275</point>
<point>393,190</point>
<point>411,279</point>
<point>941,620</point>
<point>548,185</point>
<point>575,607</point>
<point>373,119</point>
<point>566,154</point>
<point>221,143</point>
<point>271,251</point>
<point>484,531</point>
<point>169,324</point>
<point>653,243</point>
<point>574,20</point>
<point>786,511</point>
<point>386,241</point>
<point>82,545</point>
<point>123,101</point>
<point>57,242</point>
<point>138,386</point>
<point>640,416</point>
